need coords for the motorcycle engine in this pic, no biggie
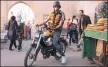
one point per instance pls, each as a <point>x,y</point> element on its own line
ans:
<point>48,42</point>
<point>45,52</point>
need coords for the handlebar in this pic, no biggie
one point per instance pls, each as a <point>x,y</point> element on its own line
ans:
<point>48,28</point>
<point>45,27</point>
<point>38,28</point>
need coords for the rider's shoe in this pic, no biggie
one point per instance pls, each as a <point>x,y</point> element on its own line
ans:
<point>63,59</point>
<point>57,57</point>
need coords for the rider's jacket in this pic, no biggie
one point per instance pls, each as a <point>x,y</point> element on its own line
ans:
<point>55,18</point>
<point>54,21</point>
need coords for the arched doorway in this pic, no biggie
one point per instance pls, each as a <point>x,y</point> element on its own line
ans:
<point>23,13</point>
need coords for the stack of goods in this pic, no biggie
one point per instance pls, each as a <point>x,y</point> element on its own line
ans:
<point>106,25</point>
<point>102,25</point>
<point>90,27</point>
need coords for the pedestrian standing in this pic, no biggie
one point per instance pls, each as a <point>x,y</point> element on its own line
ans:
<point>26,31</point>
<point>12,30</point>
<point>84,20</point>
<point>20,37</point>
<point>29,31</point>
<point>73,30</point>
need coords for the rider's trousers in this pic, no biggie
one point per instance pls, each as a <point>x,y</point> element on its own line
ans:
<point>56,42</point>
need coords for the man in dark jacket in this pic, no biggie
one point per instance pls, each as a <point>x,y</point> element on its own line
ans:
<point>84,20</point>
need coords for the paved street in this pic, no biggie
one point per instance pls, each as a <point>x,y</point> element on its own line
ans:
<point>28,18</point>
<point>15,58</point>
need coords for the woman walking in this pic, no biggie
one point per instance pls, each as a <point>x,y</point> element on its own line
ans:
<point>73,30</point>
<point>12,29</point>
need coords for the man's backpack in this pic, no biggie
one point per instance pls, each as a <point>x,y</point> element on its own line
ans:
<point>73,26</point>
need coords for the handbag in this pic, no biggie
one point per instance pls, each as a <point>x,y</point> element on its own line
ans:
<point>73,26</point>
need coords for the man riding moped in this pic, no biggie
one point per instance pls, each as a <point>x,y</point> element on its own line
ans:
<point>55,23</point>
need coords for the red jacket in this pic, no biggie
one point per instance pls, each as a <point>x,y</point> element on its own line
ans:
<point>68,25</point>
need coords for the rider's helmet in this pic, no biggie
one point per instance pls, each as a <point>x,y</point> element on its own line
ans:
<point>57,4</point>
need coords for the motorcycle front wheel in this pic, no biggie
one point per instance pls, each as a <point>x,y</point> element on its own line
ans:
<point>31,56</point>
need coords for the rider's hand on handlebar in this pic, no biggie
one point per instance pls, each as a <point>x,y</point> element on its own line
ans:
<point>52,28</point>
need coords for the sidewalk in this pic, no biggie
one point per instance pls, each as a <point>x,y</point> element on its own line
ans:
<point>24,44</point>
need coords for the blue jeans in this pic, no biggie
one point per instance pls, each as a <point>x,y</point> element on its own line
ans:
<point>73,36</point>
<point>68,32</point>
<point>56,42</point>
